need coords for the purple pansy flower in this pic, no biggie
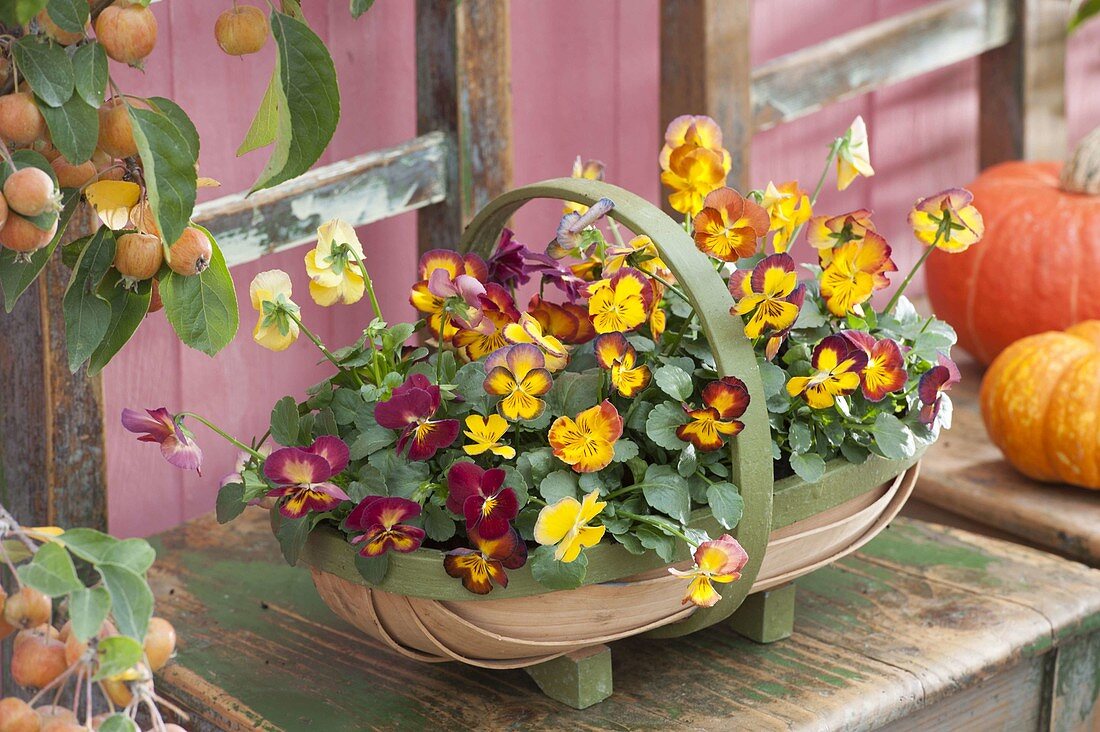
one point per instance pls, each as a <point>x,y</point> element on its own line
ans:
<point>410,409</point>
<point>176,443</point>
<point>302,475</point>
<point>480,497</point>
<point>508,263</point>
<point>381,519</point>
<point>933,384</point>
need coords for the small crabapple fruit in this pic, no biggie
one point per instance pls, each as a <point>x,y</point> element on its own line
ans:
<point>17,716</point>
<point>155,303</point>
<point>75,648</point>
<point>56,32</point>
<point>191,253</point>
<point>118,691</point>
<point>141,215</point>
<point>50,712</point>
<point>37,660</point>
<point>72,176</point>
<point>160,643</point>
<point>27,608</point>
<point>241,30</point>
<point>62,725</point>
<point>116,131</point>
<point>31,192</point>
<point>138,257</point>
<point>127,32</point>
<point>23,237</point>
<point>20,121</point>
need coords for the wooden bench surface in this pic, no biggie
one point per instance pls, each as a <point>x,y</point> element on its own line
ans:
<point>925,624</point>
<point>965,481</point>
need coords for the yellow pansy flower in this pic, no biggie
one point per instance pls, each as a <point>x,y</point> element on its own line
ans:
<point>485,434</point>
<point>693,172</point>
<point>947,221</point>
<point>587,443</point>
<point>529,330</point>
<point>853,155</point>
<point>788,207</point>
<point>270,293</point>
<point>518,373</point>
<point>334,274</point>
<point>621,303</point>
<point>718,560</point>
<point>564,524</point>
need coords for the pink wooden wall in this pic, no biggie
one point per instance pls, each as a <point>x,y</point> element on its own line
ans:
<point>585,75</point>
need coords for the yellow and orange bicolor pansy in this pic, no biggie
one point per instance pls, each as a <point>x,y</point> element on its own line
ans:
<point>614,353</point>
<point>518,374</point>
<point>837,366</point>
<point>885,370</point>
<point>529,330</point>
<point>948,221</point>
<point>718,560</point>
<point>723,402</point>
<point>587,443</point>
<point>789,208</point>
<point>856,269</point>
<point>691,131</point>
<point>729,226</point>
<point>826,232</point>
<point>693,172</point>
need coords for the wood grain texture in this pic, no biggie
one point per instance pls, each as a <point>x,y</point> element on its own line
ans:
<point>966,477</point>
<point>706,69</point>
<point>360,190</point>
<point>1022,112</point>
<point>464,90</point>
<point>876,55</point>
<point>920,616</point>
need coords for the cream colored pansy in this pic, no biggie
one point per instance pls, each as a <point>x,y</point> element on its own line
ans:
<point>564,525</point>
<point>270,292</point>
<point>853,155</point>
<point>333,266</point>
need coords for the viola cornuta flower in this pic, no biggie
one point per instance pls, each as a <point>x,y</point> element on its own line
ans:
<point>948,221</point>
<point>853,157</point>
<point>614,353</point>
<point>837,373</point>
<point>723,402</point>
<point>719,560</point>
<point>518,374</point>
<point>691,131</point>
<point>159,425</point>
<point>729,226</point>
<point>303,476</point>
<point>885,370</point>
<point>410,409</point>
<point>587,443</point>
<point>933,384</point>
<point>333,265</point>
<point>855,271</point>
<point>480,497</point>
<point>485,434</point>
<point>621,303</point>
<point>771,295</point>
<point>382,519</point>
<point>788,206</point>
<point>564,525</point>
<point>276,329</point>
<point>483,566</point>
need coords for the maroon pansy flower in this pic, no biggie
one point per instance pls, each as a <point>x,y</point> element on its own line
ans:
<point>480,568</point>
<point>382,521</point>
<point>933,384</point>
<point>480,497</point>
<point>302,476</point>
<point>508,263</point>
<point>176,443</point>
<point>410,409</point>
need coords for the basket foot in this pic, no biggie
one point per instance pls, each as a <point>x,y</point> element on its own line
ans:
<point>580,679</point>
<point>767,616</point>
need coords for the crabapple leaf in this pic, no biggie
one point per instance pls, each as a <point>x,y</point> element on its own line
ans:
<point>358,7</point>
<point>88,609</point>
<point>51,572</point>
<point>19,12</point>
<point>285,422</point>
<point>131,599</point>
<point>87,544</point>
<point>137,555</point>
<point>87,314</point>
<point>90,73</point>
<point>293,8</point>
<point>1085,11</point>
<point>128,309</point>
<point>179,118</point>
<point>202,308</point>
<point>725,503</point>
<point>46,67</point>
<point>168,160</point>
<point>117,653</point>
<point>307,101</point>
<point>74,128</point>
<point>69,15</point>
<point>16,277</point>
<point>551,573</point>
<point>261,132</point>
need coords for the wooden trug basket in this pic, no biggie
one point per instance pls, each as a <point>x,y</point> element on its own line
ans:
<point>789,527</point>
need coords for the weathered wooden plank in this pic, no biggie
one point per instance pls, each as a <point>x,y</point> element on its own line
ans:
<point>1022,109</point>
<point>1075,692</point>
<point>872,644</point>
<point>705,69</point>
<point>360,190</point>
<point>966,476</point>
<point>876,55</point>
<point>464,90</point>
<point>52,464</point>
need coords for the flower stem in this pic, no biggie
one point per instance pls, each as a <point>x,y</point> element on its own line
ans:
<point>833,150</point>
<point>670,287</point>
<point>908,278</point>
<point>618,237</point>
<point>225,435</point>
<point>679,336</point>
<point>368,284</point>
<point>316,341</point>
<point>660,525</point>
<point>443,323</point>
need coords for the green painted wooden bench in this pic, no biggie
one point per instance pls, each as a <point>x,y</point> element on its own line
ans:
<point>925,628</point>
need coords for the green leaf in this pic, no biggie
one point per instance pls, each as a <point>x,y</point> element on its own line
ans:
<point>230,503</point>
<point>893,439</point>
<point>293,8</point>
<point>87,544</point>
<point>136,555</point>
<point>369,482</point>
<point>774,378</point>
<point>1086,10</point>
<point>308,101</point>
<point>88,609</point>
<point>169,164</point>
<point>725,503</point>
<point>51,572</point>
<point>558,485</point>
<point>438,524</point>
<point>673,381</point>
<point>87,314</point>
<point>624,450</point>
<point>117,654</point>
<point>808,466</point>
<point>661,425</point>
<point>202,308</point>
<point>292,535</point>
<point>90,73</point>
<point>131,599</point>
<point>688,462</point>
<point>46,67</point>
<point>372,569</point>
<point>667,492</point>
<point>358,7</point>
<point>19,12</point>
<point>16,276</point>
<point>403,476</point>
<point>573,392</point>
<point>264,125</point>
<point>118,723</point>
<point>179,120</point>
<point>657,541</point>
<point>128,309</point>
<point>370,440</point>
<point>551,573</point>
<point>69,15</point>
<point>285,421</point>
<point>800,437</point>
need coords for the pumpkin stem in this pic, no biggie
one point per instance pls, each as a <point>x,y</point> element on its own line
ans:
<point>1081,173</point>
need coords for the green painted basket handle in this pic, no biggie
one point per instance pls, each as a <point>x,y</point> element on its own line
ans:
<point>750,452</point>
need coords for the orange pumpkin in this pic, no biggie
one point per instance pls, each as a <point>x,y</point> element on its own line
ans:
<point>1041,405</point>
<point>1038,266</point>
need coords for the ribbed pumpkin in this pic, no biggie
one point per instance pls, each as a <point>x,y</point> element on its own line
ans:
<point>1041,405</point>
<point>1038,265</point>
